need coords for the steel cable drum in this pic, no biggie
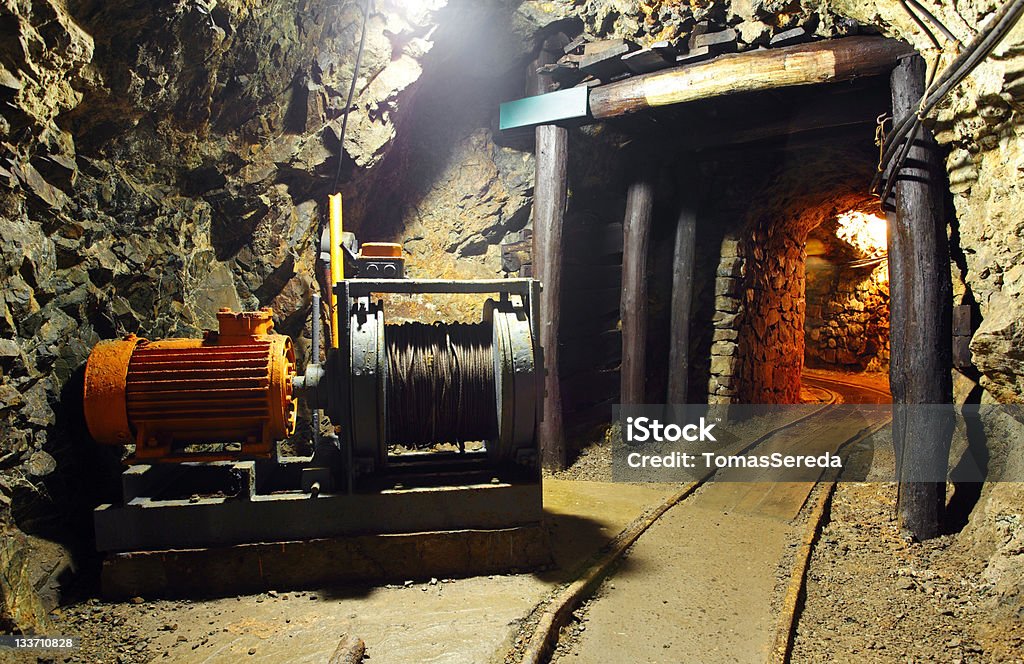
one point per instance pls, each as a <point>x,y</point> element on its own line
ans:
<point>367,379</point>
<point>440,383</point>
<point>516,361</point>
<point>419,384</point>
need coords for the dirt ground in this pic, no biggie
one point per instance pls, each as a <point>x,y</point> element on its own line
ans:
<point>435,621</point>
<point>875,597</point>
<point>707,577</point>
<point>423,620</point>
<point>703,584</point>
<point>699,581</point>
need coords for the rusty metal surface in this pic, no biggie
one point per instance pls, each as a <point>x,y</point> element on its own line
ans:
<point>380,250</point>
<point>233,386</point>
<point>106,413</point>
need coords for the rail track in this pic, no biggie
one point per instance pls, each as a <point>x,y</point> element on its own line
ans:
<point>540,632</point>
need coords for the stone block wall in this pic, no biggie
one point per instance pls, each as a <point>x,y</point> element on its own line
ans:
<point>847,324</point>
<point>723,382</point>
<point>771,340</point>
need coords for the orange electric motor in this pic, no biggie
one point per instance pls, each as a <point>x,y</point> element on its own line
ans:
<point>229,393</point>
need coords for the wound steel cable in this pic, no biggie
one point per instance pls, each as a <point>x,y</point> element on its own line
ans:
<point>441,384</point>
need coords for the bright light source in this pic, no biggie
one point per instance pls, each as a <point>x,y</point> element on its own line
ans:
<point>863,231</point>
<point>417,9</point>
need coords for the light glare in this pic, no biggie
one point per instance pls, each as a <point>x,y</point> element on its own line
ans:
<point>863,231</point>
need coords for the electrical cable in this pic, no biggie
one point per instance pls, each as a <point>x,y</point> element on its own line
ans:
<point>344,123</point>
<point>867,262</point>
<point>957,70</point>
<point>908,144</point>
<point>934,21</point>
<point>979,49</point>
<point>352,91</point>
<point>969,58</point>
<point>920,24</point>
<point>326,289</point>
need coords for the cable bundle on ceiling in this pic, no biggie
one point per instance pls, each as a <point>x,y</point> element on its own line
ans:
<point>904,133</point>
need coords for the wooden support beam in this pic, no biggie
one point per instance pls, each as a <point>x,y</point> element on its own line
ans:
<point>682,292</point>
<point>921,319</point>
<point>549,201</point>
<point>803,64</point>
<point>829,112</point>
<point>636,237</point>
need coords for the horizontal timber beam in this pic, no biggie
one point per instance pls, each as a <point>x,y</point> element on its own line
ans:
<point>831,111</point>
<point>804,64</point>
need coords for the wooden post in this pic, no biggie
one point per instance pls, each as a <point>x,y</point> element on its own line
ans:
<point>682,294</point>
<point>636,235</point>
<point>549,200</point>
<point>921,315</point>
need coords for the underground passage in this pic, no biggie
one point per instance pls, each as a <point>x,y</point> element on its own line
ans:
<point>511,331</point>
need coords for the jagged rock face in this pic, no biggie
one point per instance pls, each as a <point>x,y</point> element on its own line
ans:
<point>159,160</point>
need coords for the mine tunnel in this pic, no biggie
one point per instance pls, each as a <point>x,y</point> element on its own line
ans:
<point>511,331</point>
<point>790,254</point>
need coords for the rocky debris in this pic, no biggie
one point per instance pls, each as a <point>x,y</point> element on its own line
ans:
<point>873,596</point>
<point>112,632</point>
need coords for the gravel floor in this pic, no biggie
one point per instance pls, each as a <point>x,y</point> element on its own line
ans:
<point>875,597</point>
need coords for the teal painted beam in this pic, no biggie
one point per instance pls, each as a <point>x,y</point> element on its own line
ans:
<point>545,109</point>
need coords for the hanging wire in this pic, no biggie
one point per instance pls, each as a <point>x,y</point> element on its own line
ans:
<point>344,125</point>
<point>867,262</point>
<point>352,91</point>
<point>909,143</point>
<point>980,48</point>
<point>933,20</point>
<point>880,133</point>
<point>920,23</point>
<point>323,280</point>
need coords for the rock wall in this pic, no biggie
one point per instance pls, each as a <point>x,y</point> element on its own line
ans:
<point>847,323</point>
<point>158,160</point>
